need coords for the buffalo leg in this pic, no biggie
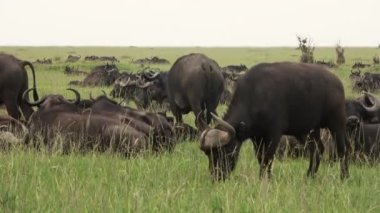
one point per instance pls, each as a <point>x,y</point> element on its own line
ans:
<point>316,149</point>
<point>199,117</point>
<point>265,151</point>
<point>342,151</point>
<point>12,108</point>
<point>342,154</point>
<point>177,113</point>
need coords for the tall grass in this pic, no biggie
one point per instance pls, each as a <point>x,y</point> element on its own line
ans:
<point>39,181</point>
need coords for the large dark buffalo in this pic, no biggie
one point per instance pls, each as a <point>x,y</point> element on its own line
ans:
<point>195,83</point>
<point>278,99</point>
<point>13,83</point>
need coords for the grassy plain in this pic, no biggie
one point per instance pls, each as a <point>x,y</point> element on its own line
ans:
<point>176,182</point>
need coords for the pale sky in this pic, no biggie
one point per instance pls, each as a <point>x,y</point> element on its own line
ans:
<point>189,22</point>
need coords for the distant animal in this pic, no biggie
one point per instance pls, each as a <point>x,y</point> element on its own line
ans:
<point>44,61</point>
<point>235,68</point>
<point>13,82</point>
<point>152,60</point>
<point>275,99</point>
<point>329,64</point>
<point>73,71</point>
<point>376,59</point>
<point>368,82</point>
<point>104,75</point>
<point>360,65</point>
<point>72,58</point>
<point>194,83</point>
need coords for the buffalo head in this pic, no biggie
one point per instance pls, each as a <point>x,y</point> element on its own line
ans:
<point>51,100</point>
<point>221,147</point>
<point>365,108</point>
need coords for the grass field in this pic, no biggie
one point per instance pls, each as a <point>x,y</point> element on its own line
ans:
<point>180,181</point>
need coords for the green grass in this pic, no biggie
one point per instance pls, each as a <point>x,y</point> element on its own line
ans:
<point>178,181</point>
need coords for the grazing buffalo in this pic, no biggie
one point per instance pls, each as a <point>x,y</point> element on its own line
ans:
<point>195,83</point>
<point>275,99</point>
<point>13,83</point>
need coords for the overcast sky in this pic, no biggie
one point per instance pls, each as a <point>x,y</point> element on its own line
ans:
<point>189,22</point>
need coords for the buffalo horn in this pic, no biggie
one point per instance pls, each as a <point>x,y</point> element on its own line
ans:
<point>122,84</point>
<point>147,84</point>
<point>230,129</point>
<point>376,101</point>
<point>151,76</point>
<point>213,138</point>
<point>35,103</point>
<point>77,95</point>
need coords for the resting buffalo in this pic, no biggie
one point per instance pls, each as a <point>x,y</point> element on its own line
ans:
<point>99,124</point>
<point>195,83</point>
<point>13,83</point>
<point>275,99</point>
<point>11,132</point>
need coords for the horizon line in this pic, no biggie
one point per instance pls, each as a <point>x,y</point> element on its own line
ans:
<point>195,46</point>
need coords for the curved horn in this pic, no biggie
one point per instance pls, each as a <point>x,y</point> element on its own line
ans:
<point>147,84</point>
<point>35,103</point>
<point>376,104</point>
<point>77,95</point>
<point>122,84</point>
<point>153,76</point>
<point>225,124</point>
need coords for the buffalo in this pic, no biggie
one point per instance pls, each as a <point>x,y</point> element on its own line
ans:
<point>368,82</point>
<point>152,60</point>
<point>142,88</point>
<point>194,83</point>
<point>14,82</point>
<point>275,99</point>
<point>99,124</point>
<point>363,118</point>
<point>104,75</point>
<point>72,58</point>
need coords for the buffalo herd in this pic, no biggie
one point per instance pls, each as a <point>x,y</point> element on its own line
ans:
<point>278,106</point>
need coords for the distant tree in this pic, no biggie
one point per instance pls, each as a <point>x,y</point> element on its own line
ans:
<point>340,54</point>
<point>307,50</point>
